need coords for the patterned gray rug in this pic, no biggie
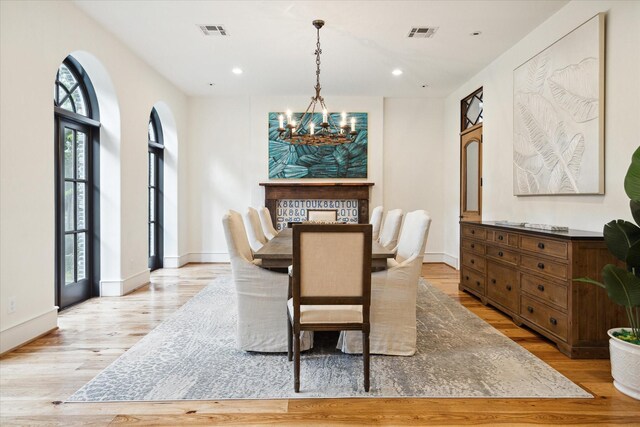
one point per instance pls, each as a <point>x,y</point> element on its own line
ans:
<point>192,356</point>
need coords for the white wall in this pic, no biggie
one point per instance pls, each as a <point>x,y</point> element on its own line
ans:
<point>228,155</point>
<point>34,39</point>
<point>413,139</point>
<point>622,87</point>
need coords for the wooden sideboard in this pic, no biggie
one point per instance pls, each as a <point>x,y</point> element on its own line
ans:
<point>274,191</point>
<point>528,274</point>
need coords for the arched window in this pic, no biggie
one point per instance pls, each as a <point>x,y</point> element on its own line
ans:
<point>76,139</point>
<point>155,184</point>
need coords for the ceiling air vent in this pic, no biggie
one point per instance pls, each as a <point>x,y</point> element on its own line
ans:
<point>213,30</point>
<point>422,32</point>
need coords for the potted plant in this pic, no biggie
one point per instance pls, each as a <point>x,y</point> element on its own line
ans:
<point>623,287</point>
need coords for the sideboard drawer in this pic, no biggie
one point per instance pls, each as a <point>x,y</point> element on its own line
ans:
<point>544,316</point>
<point>502,286</point>
<point>472,280</point>
<point>554,269</point>
<point>474,232</point>
<point>473,261</point>
<point>546,290</point>
<point>545,246</point>
<point>502,254</point>
<point>504,238</point>
<point>471,246</point>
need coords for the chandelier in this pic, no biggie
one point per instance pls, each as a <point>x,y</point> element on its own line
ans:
<point>307,130</point>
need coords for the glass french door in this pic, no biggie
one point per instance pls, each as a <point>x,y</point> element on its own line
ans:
<point>155,197</point>
<point>74,212</point>
<point>155,190</point>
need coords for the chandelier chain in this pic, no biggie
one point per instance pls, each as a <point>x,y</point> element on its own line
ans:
<point>318,52</point>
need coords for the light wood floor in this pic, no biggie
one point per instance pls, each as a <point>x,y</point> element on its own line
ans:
<point>36,378</point>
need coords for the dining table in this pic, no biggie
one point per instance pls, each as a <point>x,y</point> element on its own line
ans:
<point>278,252</point>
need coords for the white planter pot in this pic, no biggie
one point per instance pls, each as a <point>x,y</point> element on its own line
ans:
<point>625,365</point>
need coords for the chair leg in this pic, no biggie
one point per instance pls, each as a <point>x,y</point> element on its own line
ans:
<point>296,362</point>
<point>289,337</point>
<point>365,359</point>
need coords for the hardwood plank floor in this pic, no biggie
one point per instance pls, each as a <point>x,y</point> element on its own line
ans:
<point>35,379</point>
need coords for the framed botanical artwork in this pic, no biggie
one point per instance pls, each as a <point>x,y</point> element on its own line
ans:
<point>319,160</point>
<point>558,116</point>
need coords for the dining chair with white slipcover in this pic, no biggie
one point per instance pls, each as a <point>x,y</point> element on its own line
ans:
<point>376,222</point>
<point>393,295</point>
<point>261,295</point>
<point>256,236</point>
<point>390,229</point>
<point>265,220</point>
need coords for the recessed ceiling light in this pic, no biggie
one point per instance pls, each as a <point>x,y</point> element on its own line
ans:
<point>237,70</point>
<point>397,72</point>
<point>476,33</point>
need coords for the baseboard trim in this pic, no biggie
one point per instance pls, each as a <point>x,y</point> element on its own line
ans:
<point>437,257</point>
<point>175,261</point>
<point>29,330</point>
<point>208,257</point>
<point>118,288</point>
<point>212,257</point>
<point>451,260</point>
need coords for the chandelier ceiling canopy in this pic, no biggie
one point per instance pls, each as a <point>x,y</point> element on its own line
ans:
<point>309,129</point>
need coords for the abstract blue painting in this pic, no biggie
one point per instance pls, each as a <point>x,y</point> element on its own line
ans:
<point>295,161</point>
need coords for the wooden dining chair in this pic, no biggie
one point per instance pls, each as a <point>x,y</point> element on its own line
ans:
<point>322,215</point>
<point>330,285</point>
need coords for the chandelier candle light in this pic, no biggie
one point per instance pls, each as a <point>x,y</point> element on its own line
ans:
<point>305,131</point>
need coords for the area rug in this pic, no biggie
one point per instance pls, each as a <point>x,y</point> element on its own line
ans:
<point>192,356</point>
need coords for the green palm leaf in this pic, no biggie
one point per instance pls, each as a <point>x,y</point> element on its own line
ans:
<point>632,179</point>
<point>623,239</point>
<point>623,287</point>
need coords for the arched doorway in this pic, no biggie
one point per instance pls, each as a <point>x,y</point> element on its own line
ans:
<point>155,185</point>
<point>76,137</point>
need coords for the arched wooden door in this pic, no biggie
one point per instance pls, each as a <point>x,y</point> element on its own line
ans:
<point>471,175</point>
<point>471,157</point>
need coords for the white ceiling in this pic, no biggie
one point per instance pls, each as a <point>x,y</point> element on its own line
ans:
<point>362,42</point>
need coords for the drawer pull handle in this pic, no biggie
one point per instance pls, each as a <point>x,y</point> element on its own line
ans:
<point>473,231</point>
<point>530,309</point>
<point>541,288</point>
<point>553,321</point>
<point>541,266</point>
<point>473,261</point>
<point>466,277</point>
<point>501,237</point>
<point>493,281</point>
<point>473,246</point>
<point>500,253</point>
<point>478,283</point>
<point>541,245</point>
<point>508,287</point>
